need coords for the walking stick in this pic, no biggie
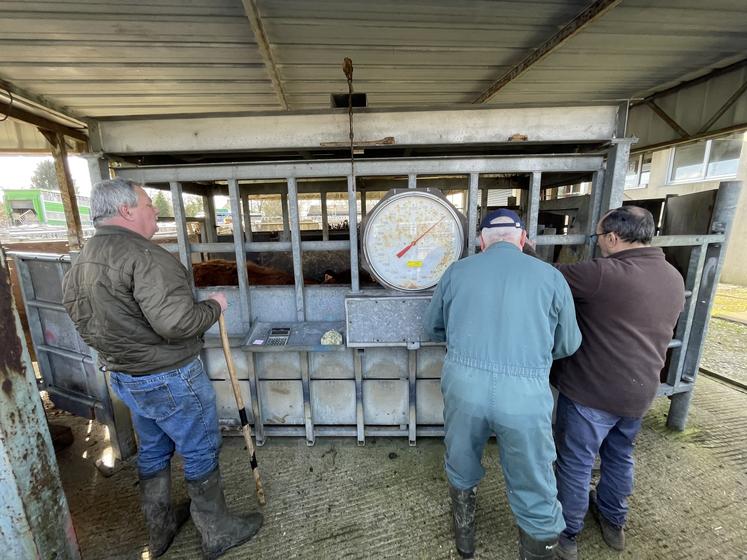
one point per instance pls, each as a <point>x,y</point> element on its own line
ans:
<point>245,427</point>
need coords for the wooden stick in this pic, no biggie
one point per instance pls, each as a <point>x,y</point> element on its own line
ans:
<point>245,427</point>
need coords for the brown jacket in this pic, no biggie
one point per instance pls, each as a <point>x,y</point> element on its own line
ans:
<point>131,300</point>
<point>627,306</point>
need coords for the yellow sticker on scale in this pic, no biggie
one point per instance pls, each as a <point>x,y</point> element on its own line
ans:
<point>415,264</point>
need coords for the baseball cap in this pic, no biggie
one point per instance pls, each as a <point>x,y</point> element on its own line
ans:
<point>502,213</point>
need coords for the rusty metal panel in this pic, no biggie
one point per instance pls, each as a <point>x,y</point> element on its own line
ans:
<point>430,402</point>
<point>430,361</point>
<point>333,402</point>
<point>282,402</point>
<point>331,365</point>
<point>384,363</point>
<point>385,402</point>
<point>278,365</point>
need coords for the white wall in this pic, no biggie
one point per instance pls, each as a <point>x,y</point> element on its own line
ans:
<point>735,266</point>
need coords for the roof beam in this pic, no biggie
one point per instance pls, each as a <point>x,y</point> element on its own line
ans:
<point>693,82</point>
<point>33,100</point>
<point>252,14</point>
<point>589,15</point>
<point>663,115</point>
<point>14,111</point>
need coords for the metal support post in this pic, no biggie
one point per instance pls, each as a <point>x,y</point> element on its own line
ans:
<point>722,220</point>
<point>308,420</point>
<point>36,521</point>
<point>286,219</point>
<point>533,205</point>
<point>67,192</point>
<point>247,218</point>
<point>325,217</point>
<point>359,419</point>
<point>412,367</point>
<point>614,176</point>
<point>472,213</point>
<point>208,205</point>
<point>353,233</point>
<point>182,236</point>
<point>295,231</point>
<point>238,244</point>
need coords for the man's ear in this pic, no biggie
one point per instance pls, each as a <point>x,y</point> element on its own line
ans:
<point>124,212</point>
<point>523,239</point>
<point>482,243</point>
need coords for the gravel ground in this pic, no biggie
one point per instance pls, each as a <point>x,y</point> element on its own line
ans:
<point>725,350</point>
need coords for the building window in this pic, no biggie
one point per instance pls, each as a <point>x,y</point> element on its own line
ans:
<point>639,171</point>
<point>707,159</point>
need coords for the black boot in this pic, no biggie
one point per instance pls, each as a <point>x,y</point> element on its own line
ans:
<point>463,506</point>
<point>220,529</point>
<point>532,549</point>
<point>161,518</point>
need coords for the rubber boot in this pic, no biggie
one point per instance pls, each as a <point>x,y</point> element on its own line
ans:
<point>161,518</point>
<point>220,529</point>
<point>532,549</point>
<point>463,506</point>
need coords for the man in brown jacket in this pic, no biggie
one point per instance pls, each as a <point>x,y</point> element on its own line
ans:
<point>627,305</point>
<point>132,301</point>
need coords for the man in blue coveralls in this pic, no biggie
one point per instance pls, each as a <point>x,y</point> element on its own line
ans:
<point>504,316</point>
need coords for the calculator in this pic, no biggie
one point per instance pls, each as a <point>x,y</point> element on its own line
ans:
<point>278,336</point>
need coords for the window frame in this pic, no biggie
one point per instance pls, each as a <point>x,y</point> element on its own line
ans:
<point>705,163</point>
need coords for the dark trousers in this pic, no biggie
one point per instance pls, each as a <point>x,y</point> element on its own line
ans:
<point>582,432</point>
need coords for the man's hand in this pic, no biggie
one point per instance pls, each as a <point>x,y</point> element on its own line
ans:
<point>220,297</point>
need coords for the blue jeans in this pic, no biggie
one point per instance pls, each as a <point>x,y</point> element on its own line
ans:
<point>517,409</point>
<point>580,433</point>
<point>172,410</point>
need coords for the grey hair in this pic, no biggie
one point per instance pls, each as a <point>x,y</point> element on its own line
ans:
<point>494,235</point>
<point>108,196</point>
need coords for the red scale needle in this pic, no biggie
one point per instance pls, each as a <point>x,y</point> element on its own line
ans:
<point>401,253</point>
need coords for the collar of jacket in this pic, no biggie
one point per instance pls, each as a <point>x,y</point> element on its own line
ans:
<point>638,252</point>
<point>502,245</point>
<point>116,230</point>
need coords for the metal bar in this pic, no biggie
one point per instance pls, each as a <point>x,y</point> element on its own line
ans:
<point>238,242</point>
<point>696,81</point>
<point>725,107</point>
<point>483,202</point>
<point>255,21</point>
<point>295,233</point>
<point>573,239</point>
<point>208,204</point>
<point>182,237</point>
<point>286,220</point>
<point>308,421</point>
<point>614,176</point>
<point>363,203</point>
<point>662,114</point>
<point>46,305</point>
<point>65,353</point>
<point>16,112</point>
<point>48,257</point>
<point>358,369</point>
<point>412,181</point>
<point>379,167</point>
<point>674,343</point>
<point>353,233</point>
<point>686,240</point>
<point>247,219</point>
<point>572,28</point>
<point>259,427</point>
<point>325,245</point>
<point>533,205</point>
<point>412,367</point>
<point>325,218</point>
<point>472,212</point>
<point>595,204</point>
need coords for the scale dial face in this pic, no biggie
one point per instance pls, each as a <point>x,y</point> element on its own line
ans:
<point>411,238</point>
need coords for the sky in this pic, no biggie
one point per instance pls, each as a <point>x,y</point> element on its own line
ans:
<point>16,172</point>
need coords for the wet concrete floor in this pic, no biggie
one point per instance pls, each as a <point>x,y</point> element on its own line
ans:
<point>389,500</point>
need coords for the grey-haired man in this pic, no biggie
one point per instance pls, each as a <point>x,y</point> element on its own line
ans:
<point>131,300</point>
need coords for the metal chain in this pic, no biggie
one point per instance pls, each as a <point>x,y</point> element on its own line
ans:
<point>347,68</point>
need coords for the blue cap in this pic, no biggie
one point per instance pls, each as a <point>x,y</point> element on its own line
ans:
<point>502,213</point>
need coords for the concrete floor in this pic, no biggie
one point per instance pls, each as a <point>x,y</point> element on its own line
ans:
<point>389,500</point>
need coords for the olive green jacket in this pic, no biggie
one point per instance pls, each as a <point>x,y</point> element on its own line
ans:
<point>131,300</point>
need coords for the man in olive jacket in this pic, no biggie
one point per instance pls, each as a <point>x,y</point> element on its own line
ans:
<point>627,305</point>
<point>132,301</point>
<point>504,316</point>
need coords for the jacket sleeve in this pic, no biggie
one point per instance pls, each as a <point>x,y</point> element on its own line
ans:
<point>162,290</point>
<point>584,278</point>
<point>435,322</point>
<point>567,334</point>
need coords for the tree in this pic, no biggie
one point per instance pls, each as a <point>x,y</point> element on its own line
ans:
<point>163,205</point>
<point>193,206</point>
<point>45,176</point>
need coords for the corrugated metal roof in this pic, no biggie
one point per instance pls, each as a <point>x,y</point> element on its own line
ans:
<point>107,58</point>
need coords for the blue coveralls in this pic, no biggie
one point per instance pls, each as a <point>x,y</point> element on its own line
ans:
<point>504,316</point>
